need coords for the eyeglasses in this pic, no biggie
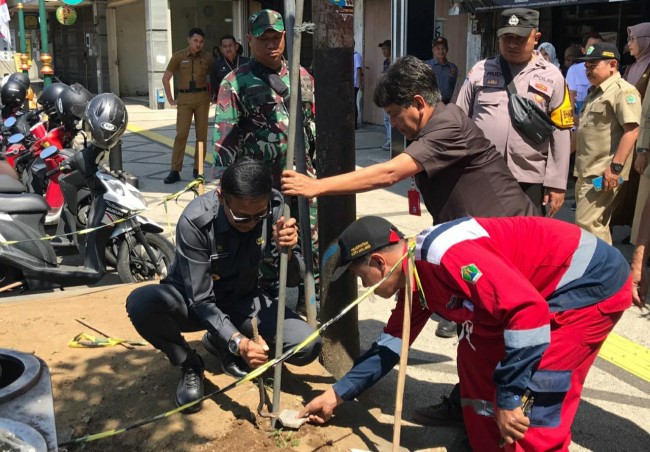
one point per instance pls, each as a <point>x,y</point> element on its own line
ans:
<point>249,218</point>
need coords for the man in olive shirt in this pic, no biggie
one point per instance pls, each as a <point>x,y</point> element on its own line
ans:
<point>193,66</point>
<point>608,128</point>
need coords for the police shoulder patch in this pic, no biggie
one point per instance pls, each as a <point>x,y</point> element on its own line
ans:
<point>630,99</point>
<point>470,273</point>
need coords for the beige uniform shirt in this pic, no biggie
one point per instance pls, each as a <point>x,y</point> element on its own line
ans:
<point>484,98</point>
<point>191,67</point>
<point>606,109</point>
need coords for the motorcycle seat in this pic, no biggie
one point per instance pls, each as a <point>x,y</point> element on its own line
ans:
<point>10,185</point>
<point>22,203</point>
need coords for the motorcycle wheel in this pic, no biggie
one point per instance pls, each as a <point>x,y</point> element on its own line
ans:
<point>133,263</point>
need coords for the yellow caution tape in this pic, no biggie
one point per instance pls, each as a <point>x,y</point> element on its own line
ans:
<point>83,340</point>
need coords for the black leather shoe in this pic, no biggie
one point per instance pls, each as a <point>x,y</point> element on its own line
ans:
<point>195,174</point>
<point>173,176</point>
<point>190,388</point>
<point>446,329</point>
<point>230,364</point>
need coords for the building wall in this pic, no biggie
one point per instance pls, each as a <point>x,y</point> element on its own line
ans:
<point>132,50</point>
<point>376,29</point>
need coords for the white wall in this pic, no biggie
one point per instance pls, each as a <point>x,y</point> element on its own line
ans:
<point>132,49</point>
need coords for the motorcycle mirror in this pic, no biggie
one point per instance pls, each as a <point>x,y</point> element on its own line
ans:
<point>10,122</point>
<point>17,138</point>
<point>48,152</point>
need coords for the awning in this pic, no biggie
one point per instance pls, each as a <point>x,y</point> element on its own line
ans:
<point>477,6</point>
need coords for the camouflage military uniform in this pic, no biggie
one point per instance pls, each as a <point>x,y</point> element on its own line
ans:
<point>252,120</point>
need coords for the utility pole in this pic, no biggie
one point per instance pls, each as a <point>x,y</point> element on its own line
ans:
<point>333,56</point>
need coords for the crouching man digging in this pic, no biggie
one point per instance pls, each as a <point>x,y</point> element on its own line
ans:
<point>213,282</point>
<point>536,299</point>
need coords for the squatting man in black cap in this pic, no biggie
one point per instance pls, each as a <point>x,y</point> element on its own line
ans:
<point>504,289</point>
<point>213,282</point>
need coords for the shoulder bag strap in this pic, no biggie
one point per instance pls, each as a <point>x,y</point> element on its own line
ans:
<point>507,75</point>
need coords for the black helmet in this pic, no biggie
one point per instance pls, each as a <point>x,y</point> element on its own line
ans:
<point>106,119</point>
<point>71,104</point>
<point>49,96</point>
<point>22,78</point>
<point>13,94</point>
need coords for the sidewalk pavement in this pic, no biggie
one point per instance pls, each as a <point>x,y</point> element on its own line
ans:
<point>615,409</point>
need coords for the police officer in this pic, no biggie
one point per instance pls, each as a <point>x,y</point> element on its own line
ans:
<point>212,283</point>
<point>193,66</point>
<point>541,169</point>
<point>607,131</point>
<point>446,71</point>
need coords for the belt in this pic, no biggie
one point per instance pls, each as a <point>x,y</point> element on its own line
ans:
<point>195,90</point>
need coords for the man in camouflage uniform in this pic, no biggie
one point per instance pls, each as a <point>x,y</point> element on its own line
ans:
<point>252,113</point>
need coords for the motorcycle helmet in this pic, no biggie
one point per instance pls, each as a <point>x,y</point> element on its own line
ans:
<point>22,78</point>
<point>71,104</point>
<point>13,94</point>
<point>106,119</point>
<point>49,96</point>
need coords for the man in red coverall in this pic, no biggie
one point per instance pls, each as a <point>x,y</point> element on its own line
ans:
<point>536,298</point>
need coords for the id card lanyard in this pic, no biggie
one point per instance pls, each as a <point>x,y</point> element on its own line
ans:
<point>414,199</point>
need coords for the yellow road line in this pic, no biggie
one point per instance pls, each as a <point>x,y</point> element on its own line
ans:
<point>157,137</point>
<point>627,355</point>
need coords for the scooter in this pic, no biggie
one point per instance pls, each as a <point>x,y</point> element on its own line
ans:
<point>143,253</point>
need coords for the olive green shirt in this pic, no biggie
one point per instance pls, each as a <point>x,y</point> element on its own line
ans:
<point>606,109</point>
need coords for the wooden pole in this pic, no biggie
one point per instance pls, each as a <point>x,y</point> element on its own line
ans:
<point>199,150</point>
<point>403,359</point>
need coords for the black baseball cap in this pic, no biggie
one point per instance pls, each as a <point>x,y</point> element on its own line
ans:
<point>518,21</point>
<point>361,238</point>
<point>386,43</point>
<point>601,51</point>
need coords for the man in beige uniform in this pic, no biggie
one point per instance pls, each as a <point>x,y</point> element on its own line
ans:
<point>540,169</point>
<point>193,66</point>
<point>608,128</point>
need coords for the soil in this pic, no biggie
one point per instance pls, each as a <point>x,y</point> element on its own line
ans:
<point>97,389</point>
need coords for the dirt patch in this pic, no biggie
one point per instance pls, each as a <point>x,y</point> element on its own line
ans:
<point>101,389</point>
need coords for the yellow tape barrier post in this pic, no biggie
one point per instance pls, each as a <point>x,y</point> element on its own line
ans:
<point>248,377</point>
<point>404,353</point>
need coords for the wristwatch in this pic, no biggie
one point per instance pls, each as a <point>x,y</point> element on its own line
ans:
<point>641,150</point>
<point>616,167</point>
<point>233,344</point>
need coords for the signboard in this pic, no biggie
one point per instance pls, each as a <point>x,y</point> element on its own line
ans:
<point>72,2</point>
<point>66,15</point>
<point>477,6</point>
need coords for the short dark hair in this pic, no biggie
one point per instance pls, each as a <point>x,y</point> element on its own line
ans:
<point>591,35</point>
<point>404,79</point>
<point>246,179</point>
<point>228,37</point>
<point>195,31</point>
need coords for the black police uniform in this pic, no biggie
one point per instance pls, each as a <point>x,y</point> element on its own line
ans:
<point>213,285</point>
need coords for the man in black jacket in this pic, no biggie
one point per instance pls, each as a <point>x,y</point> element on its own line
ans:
<point>213,282</point>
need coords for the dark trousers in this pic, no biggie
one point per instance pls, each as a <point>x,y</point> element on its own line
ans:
<point>536,194</point>
<point>356,108</point>
<point>160,314</point>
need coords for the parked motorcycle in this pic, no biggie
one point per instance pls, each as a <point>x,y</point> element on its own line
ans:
<point>114,220</point>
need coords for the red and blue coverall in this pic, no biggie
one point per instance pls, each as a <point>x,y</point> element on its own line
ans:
<point>536,299</point>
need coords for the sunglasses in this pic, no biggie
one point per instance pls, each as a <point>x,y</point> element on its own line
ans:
<point>249,218</point>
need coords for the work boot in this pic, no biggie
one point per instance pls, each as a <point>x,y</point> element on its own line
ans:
<point>173,176</point>
<point>230,364</point>
<point>190,388</point>
<point>446,329</point>
<point>446,413</point>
